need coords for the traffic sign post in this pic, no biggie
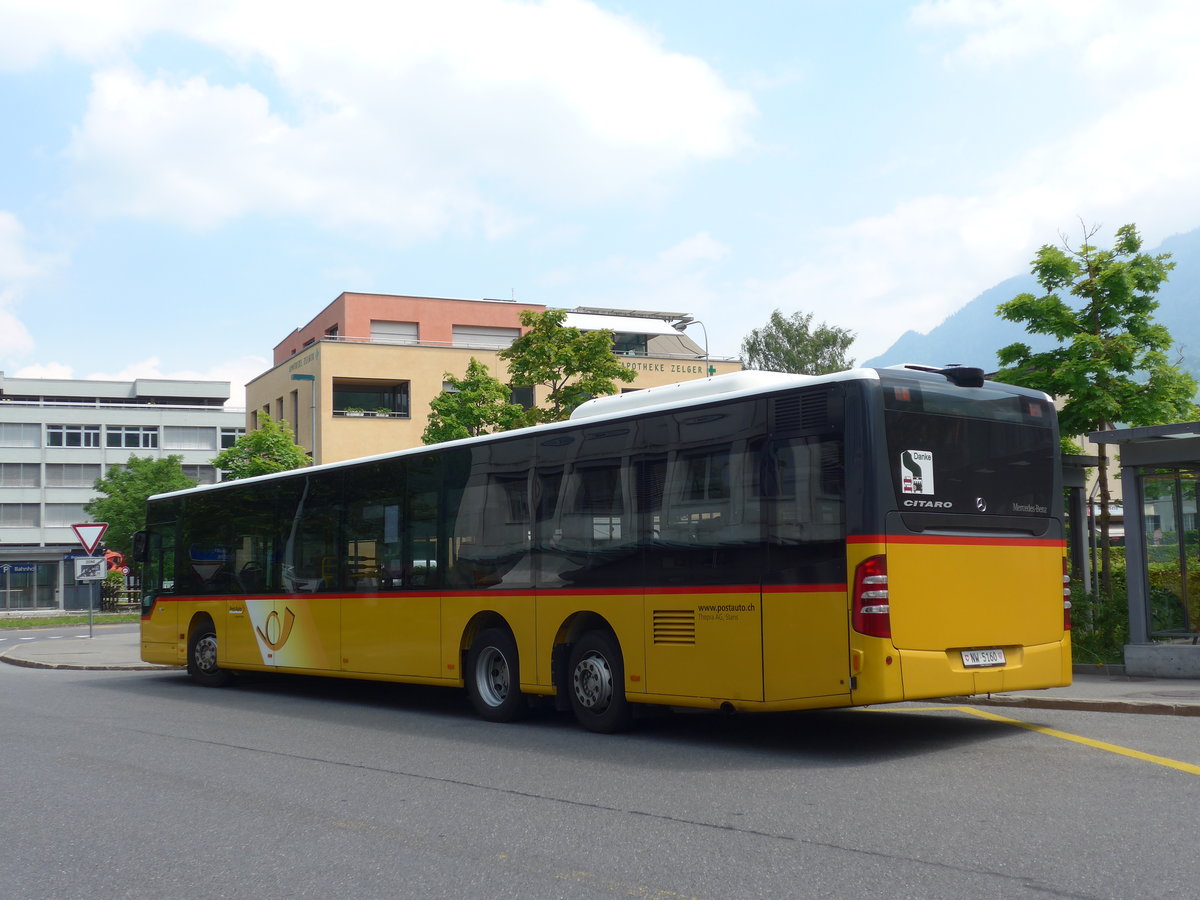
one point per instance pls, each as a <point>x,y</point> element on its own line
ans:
<point>90,568</point>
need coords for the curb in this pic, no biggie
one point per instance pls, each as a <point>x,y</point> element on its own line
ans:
<point>96,667</point>
<point>1134,707</point>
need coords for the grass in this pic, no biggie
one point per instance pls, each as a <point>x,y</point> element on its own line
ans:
<point>57,621</point>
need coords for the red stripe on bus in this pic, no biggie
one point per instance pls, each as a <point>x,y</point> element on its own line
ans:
<point>954,539</point>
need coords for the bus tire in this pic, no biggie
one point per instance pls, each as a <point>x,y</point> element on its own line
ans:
<point>202,658</point>
<point>493,676</point>
<point>596,684</point>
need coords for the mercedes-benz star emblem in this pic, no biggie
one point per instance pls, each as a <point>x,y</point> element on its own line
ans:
<point>981,504</point>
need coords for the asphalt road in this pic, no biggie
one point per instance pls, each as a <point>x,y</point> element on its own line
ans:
<point>139,784</point>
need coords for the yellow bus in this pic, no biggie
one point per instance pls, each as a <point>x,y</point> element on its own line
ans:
<point>753,541</point>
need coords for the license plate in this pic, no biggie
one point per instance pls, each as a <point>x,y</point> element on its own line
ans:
<point>977,658</point>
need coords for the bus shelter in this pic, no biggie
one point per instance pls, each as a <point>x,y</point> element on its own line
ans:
<point>1160,471</point>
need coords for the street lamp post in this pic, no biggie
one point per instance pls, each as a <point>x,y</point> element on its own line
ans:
<point>682,325</point>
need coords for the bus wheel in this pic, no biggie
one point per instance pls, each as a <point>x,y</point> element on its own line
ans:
<point>493,676</point>
<point>597,687</point>
<point>202,658</point>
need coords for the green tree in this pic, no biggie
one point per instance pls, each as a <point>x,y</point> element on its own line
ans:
<point>271,447</point>
<point>1111,363</point>
<point>791,344</point>
<point>472,405</point>
<point>124,491</point>
<point>573,365</point>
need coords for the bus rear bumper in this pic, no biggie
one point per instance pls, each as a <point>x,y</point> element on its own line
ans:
<point>932,673</point>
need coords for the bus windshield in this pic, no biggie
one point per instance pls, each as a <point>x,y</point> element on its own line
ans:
<point>976,451</point>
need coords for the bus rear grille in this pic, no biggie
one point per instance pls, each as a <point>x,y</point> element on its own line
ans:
<point>674,626</point>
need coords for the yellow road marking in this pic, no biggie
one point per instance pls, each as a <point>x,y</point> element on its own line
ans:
<point>1061,735</point>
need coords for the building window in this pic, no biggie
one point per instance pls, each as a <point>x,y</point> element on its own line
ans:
<point>229,436</point>
<point>72,435</point>
<point>201,474</point>
<point>522,396</point>
<point>16,434</point>
<point>389,397</point>
<point>20,475</point>
<point>60,514</point>
<point>189,437</point>
<point>394,332</point>
<point>72,474</point>
<point>629,344</point>
<point>483,336</point>
<point>133,437</point>
<point>19,515</point>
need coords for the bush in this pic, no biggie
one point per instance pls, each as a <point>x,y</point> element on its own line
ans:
<point>1099,626</point>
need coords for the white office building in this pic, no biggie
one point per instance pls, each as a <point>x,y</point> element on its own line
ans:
<point>58,436</point>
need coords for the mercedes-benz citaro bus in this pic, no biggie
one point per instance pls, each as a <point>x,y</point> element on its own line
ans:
<point>752,541</point>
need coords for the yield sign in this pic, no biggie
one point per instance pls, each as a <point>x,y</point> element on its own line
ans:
<point>89,534</point>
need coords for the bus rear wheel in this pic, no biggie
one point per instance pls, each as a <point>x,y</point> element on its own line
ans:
<point>597,684</point>
<point>202,658</point>
<point>494,677</point>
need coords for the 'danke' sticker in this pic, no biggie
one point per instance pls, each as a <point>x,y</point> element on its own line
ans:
<point>916,472</point>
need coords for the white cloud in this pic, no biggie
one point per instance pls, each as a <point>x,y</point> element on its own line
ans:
<point>33,30</point>
<point>416,119</point>
<point>236,371</point>
<point>46,370</point>
<point>20,266</point>
<point>1113,42</point>
<point>911,266</point>
<point>681,278</point>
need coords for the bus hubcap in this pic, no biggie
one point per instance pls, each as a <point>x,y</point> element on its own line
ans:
<point>206,653</point>
<point>491,675</point>
<point>593,682</point>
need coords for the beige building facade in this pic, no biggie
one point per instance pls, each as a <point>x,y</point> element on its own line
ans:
<point>358,378</point>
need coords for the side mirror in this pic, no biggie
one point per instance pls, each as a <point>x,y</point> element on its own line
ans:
<point>141,547</point>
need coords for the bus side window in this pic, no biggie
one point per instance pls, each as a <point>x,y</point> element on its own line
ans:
<point>803,479</point>
<point>310,539</point>
<point>699,491</point>
<point>594,515</point>
<point>371,552</point>
<point>492,530</point>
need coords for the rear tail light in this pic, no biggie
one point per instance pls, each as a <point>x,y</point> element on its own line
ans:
<point>1066,597</point>
<point>872,612</point>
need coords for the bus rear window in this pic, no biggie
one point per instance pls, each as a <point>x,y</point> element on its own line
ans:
<point>978,403</point>
<point>974,451</point>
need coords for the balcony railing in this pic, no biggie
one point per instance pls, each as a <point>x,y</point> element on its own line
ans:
<point>467,345</point>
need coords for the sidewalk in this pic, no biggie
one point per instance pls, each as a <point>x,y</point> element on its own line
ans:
<point>1093,690</point>
<point>103,651</point>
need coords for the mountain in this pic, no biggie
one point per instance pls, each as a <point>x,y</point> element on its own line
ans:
<point>972,335</point>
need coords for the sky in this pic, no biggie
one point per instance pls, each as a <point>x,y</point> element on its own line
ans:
<point>182,184</point>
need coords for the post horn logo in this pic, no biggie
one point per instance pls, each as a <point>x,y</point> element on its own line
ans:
<point>273,636</point>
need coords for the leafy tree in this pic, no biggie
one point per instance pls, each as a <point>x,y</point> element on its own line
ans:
<point>1111,362</point>
<point>271,447</point>
<point>125,489</point>
<point>475,404</point>
<point>573,365</point>
<point>791,344</point>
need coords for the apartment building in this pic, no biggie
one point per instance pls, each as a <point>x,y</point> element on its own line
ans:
<point>357,379</point>
<point>58,436</point>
